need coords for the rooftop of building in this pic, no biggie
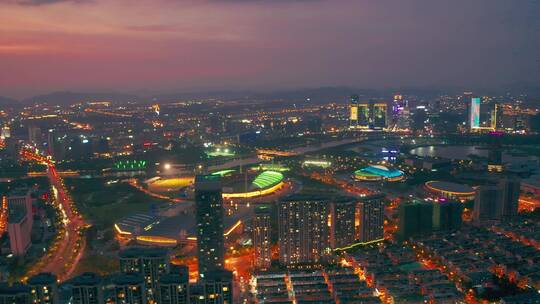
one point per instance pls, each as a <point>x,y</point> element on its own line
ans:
<point>317,197</point>
<point>45,278</point>
<point>127,279</point>
<point>16,214</point>
<point>208,182</point>
<point>177,275</point>
<point>87,278</point>
<point>147,252</point>
<point>17,288</point>
<point>18,192</point>
<point>218,276</point>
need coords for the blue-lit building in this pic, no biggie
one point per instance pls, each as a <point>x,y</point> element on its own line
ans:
<point>378,173</point>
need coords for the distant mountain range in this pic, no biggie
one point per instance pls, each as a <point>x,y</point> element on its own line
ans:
<point>315,95</point>
<point>5,101</point>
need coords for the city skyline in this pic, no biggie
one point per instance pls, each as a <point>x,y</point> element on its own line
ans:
<point>167,46</point>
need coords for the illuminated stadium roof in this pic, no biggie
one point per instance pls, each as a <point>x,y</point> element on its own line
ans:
<point>379,171</point>
<point>449,187</point>
<point>267,179</point>
<point>223,172</point>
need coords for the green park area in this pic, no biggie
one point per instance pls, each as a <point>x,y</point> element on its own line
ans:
<point>104,203</point>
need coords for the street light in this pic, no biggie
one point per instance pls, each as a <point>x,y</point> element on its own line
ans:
<point>167,166</point>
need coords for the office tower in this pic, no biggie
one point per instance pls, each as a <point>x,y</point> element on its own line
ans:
<point>364,116</point>
<point>262,237</point>
<point>19,230</point>
<point>43,288</point>
<point>509,198</point>
<point>21,198</point>
<point>34,135</point>
<point>400,113</point>
<point>353,119</point>
<point>369,218</point>
<point>342,213</point>
<point>149,262</point>
<point>14,294</point>
<point>495,159</point>
<point>415,218</point>
<point>218,287</point>
<point>209,215</point>
<point>486,204</point>
<point>5,132</point>
<point>368,115</point>
<point>174,286</point>
<point>87,288</point>
<point>474,113</point>
<point>303,230</point>
<point>447,215</point>
<point>20,220</point>
<point>129,288</point>
<point>378,111</point>
<point>419,119</point>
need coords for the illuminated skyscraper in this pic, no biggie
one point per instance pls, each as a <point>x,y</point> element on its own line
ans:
<point>378,115</point>
<point>303,230</point>
<point>354,111</point>
<point>262,237</point>
<point>474,113</point>
<point>370,115</point>
<point>210,240</point>
<point>400,113</point>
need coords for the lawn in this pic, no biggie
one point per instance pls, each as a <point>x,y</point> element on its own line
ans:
<point>171,184</point>
<point>103,204</point>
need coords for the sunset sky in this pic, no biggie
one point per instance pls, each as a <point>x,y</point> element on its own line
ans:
<point>174,45</point>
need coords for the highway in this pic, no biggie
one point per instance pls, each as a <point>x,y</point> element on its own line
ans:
<point>67,249</point>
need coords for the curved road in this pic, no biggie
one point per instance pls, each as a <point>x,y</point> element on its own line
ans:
<point>68,247</point>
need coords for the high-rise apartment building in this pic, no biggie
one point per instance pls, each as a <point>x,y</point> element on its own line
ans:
<point>14,294</point>
<point>262,221</point>
<point>303,230</point>
<point>174,286</point>
<point>87,288</point>
<point>129,288</point>
<point>486,204</point>
<point>447,215</point>
<point>509,198</point>
<point>415,218</point>
<point>149,262</point>
<point>369,218</point>
<point>342,216</point>
<point>43,288</point>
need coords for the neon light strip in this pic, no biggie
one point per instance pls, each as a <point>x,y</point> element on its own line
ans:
<point>233,228</point>
<point>359,244</point>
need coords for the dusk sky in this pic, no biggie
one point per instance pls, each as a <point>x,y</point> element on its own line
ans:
<point>175,45</point>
